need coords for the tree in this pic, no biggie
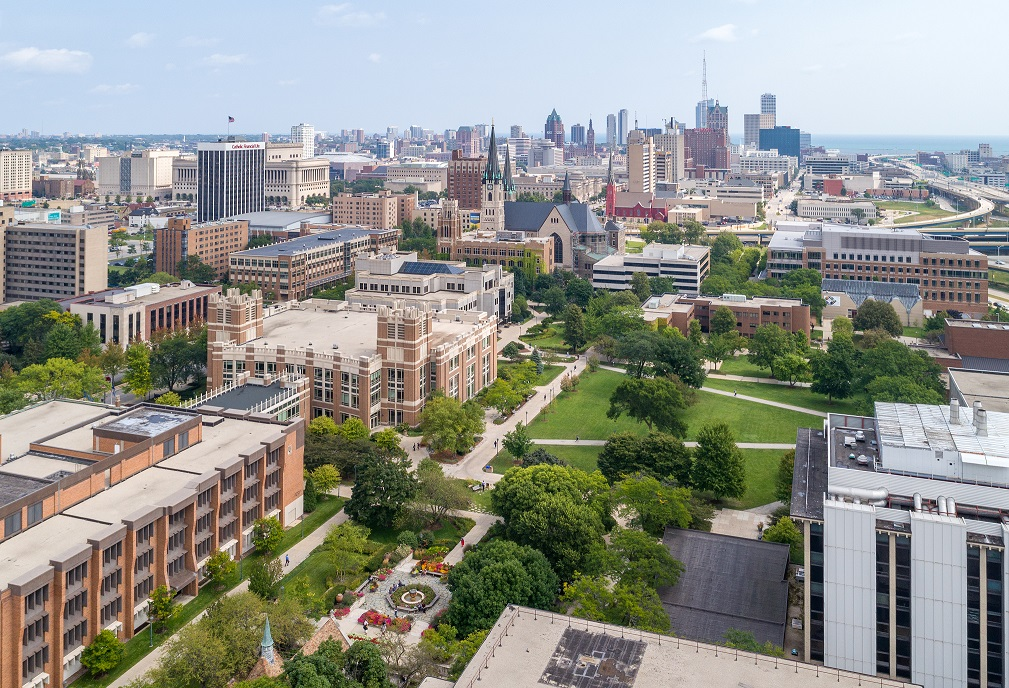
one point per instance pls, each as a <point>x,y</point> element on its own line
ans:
<point>195,656</point>
<point>220,566</point>
<point>721,346</point>
<point>161,607</point>
<point>168,399</point>
<point>501,396</point>
<point>631,604</point>
<point>783,482</point>
<point>326,478</point>
<point>578,291</point>
<point>103,654</point>
<point>264,578</point>
<point>744,640</point>
<point>769,343</point>
<point>346,544</point>
<point>792,368</point>
<point>842,327</point>
<point>554,300</point>
<point>722,321</point>
<point>724,245</point>
<point>511,351</point>
<point>872,314</point>
<point>382,490</point>
<point>651,505</point>
<point>177,355</point>
<point>652,401</point>
<point>675,355</point>
<point>537,360</point>
<point>693,232</point>
<point>718,464</point>
<point>638,350</point>
<point>640,286</point>
<point>634,555</point>
<point>267,534</point>
<point>657,454</point>
<point>542,456</point>
<point>496,574</point>
<point>388,439</point>
<point>520,308</point>
<point>310,499</point>
<point>517,441</point>
<point>438,494</point>
<point>363,663</point>
<point>448,426</point>
<point>195,270</point>
<point>900,389</point>
<point>60,377</point>
<point>834,371</point>
<point>662,285</point>
<point>786,531</point>
<point>574,328</point>
<point>323,425</point>
<point>895,359</point>
<point>694,334</point>
<point>354,429</point>
<point>873,338</point>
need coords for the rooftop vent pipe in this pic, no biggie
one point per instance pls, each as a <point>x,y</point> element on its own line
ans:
<point>874,497</point>
<point>917,502</point>
<point>950,506</point>
<point>981,422</point>
<point>942,506</point>
<point>954,411</point>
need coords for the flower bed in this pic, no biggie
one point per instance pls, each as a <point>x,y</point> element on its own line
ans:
<point>434,553</point>
<point>434,568</point>
<point>363,637</point>
<point>341,612</point>
<point>374,618</point>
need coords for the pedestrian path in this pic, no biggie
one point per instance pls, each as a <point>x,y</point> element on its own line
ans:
<point>290,559</point>
<point>767,402</point>
<point>601,443</point>
<point>760,380</point>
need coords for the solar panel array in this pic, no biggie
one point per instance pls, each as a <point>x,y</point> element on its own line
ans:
<point>593,660</point>
<point>426,268</point>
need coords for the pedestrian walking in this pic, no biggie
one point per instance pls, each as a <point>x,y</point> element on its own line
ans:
<point>287,560</point>
<point>733,392</point>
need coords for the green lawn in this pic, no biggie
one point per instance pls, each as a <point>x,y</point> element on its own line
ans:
<point>633,246</point>
<point>449,533</point>
<point>918,332</point>
<point>740,366</point>
<point>761,473</point>
<point>582,413</point>
<point>796,396</point>
<point>584,458</point>
<point>998,277</point>
<point>138,646</point>
<point>923,212</point>
<point>550,372</point>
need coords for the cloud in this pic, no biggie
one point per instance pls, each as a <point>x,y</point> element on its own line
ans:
<point>344,14</point>
<point>114,88</point>
<point>140,40</point>
<point>219,60</point>
<point>726,33</point>
<point>197,42</point>
<point>50,60</point>
<point>375,57</point>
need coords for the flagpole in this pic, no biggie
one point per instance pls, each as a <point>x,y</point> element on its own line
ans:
<point>229,126</point>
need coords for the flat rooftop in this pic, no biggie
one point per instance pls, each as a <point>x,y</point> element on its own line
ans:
<point>166,293</point>
<point>809,474</point>
<point>46,468</point>
<point>21,428</point>
<point>147,489</point>
<point>244,397</point>
<point>541,648</point>
<point>924,426</point>
<point>355,332</point>
<point>991,389</point>
<point>41,543</point>
<point>281,219</point>
<point>224,440</point>
<point>302,244</point>
<point>147,422</point>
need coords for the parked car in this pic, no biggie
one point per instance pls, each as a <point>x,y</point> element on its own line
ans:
<point>800,574</point>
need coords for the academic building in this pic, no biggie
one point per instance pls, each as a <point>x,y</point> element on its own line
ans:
<point>678,310</point>
<point>905,517</point>
<point>948,273</point>
<point>101,505</point>
<point>374,362</point>
<point>47,261</point>
<point>212,242</point>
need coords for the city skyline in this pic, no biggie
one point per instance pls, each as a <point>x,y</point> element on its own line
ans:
<point>75,68</point>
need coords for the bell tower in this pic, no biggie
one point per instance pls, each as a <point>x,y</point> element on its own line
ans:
<point>492,190</point>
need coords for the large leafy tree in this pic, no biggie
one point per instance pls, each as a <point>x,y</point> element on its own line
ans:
<point>438,494</point>
<point>723,321</point>
<point>792,368</point>
<point>769,342</point>
<point>496,574</point>
<point>783,481</point>
<point>382,490</point>
<point>787,532</point>
<point>138,379</point>
<point>633,604</point>
<point>651,505</point>
<point>363,663</point>
<point>578,291</point>
<point>60,377</point>
<point>177,355</point>
<point>718,464</point>
<point>676,355</point>
<point>574,334</point>
<point>634,555</point>
<point>892,359</point>
<point>194,269</point>
<point>652,401</point>
<point>659,455</point>
<point>874,314</point>
<point>640,286</point>
<point>103,654</point>
<point>517,441</point>
<point>834,371</point>
<point>450,426</point>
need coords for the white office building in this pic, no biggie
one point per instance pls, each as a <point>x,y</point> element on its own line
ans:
<point>305,135</point>
<point>685,264</point>
<point>140,174</point>
<point>836,209</point>
<point>767,161</point>
<point>906,517</point>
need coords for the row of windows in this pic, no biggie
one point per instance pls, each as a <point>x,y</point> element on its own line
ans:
<point>76,575</point>
<point>74,637</point>
<point>35,630</point>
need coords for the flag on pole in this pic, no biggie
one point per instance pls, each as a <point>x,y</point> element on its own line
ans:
<point>230,119</point>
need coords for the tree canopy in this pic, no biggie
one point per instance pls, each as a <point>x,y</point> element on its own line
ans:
<point>382,490</point>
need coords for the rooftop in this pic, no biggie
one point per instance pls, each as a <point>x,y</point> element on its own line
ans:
<point>145,296</point>
<point>14,487</point>
<point>147,489</point>
<point>809,476</point>
<point>282,219</point>
<point>147,422</point>
<point>728,582</point>
<point>37,546</point>
<point>542,648</point>
<point>990,388</point>
<point>221,441</point>
<point>245,397</point>
<point>48,468</point>
<point>302,244</point>
<point>924,426</point>
<point>19,429</point>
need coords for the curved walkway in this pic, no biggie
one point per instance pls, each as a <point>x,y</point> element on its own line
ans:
<point>602,443</point>
<point>789,407</point>
<point>761,380</point>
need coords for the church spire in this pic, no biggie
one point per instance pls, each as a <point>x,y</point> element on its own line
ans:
<point>509,183</point>
<point>566,189</point>
<point>492,172</point>
<point>266,646</point>
<point>609,173</point>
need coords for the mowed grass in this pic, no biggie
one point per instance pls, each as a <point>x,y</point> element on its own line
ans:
<point>742,367</point>
<point>761,474</point>
<point>998,277</point>
<point>582,414</point>
<point>923,212</point>
<point>795,396</point>
<point>584,458</point>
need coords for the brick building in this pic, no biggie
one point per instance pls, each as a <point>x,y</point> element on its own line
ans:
<point>382,210</point>
<point>378,364</point>
<point>464,177</point>
<point>213,242</point>
<point>677,310</point>
<point>976,338</point>
<point>949,274</point>
<point>101,506</point>
<point>47,261</point>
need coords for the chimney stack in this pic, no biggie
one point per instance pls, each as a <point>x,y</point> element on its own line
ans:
<point>981,422</point>
<point>954,411</point>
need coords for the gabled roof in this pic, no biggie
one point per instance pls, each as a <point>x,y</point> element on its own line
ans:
<point>529,217</point>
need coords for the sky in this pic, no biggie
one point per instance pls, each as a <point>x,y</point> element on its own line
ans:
<point>855,67</point>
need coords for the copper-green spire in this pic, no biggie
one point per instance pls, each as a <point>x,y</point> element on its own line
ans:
<point>492,172</point>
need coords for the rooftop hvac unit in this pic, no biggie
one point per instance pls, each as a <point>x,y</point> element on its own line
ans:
<point>733,297</point>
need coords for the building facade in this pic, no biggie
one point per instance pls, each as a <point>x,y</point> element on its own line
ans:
<point>292,270</point>
<point>554,129</point>
<point>15,174</point>
<point>212,242</point>
<point>378,364</point>
<point>678,310</point>
<point>382,210</point>
<point>464,174</point>
<point>686,265</point>
<point>304,134</point>
<point>140,174</point>
<point>230,179</point>
<point>46,261</point>
<point>904,544</point>
<point>784,139</point>
<point>122,316</point>
<point>102,506</point>
<point>836,209</point>
<point>948,273</point>
<point>291,178</point>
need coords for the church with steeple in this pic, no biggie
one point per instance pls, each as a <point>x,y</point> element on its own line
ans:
<point>496,187</point>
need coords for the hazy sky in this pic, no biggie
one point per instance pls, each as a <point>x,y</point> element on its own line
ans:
<point>881,66</point>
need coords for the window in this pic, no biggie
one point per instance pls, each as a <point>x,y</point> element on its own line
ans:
<point>168,448</point>
<point>34,513</point>
<point>12,524</point>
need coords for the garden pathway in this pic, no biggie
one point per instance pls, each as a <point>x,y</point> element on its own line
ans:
<point>601,443</point>
<point>298,553</point>
<point>778,404</point>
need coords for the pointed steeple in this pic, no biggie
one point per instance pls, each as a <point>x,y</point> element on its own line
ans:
<point>609,173</point>
<point>566,189</point>
<point>509,183</point>
<point>492,172</point>
<point>266,646</point>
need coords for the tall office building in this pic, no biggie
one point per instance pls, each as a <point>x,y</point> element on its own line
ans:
<point>139,174</point>
<point>466,141</point>
<point>554,129</point>
<point>640,164</point>
<point>305,135</point>
<point>516,132</point>
<point>623,127</point>
<point>578,134</point>
<point>752,124</point>
<point>718,117</point>
<point>769,106</point>
<point>705,103</point>
<point>464,176</point>
<point>670,143</point>
<point>590,139</point>
<point>46,261</point>
<point>230,179</point>
<point>392,133</point>
<point>15,174</point>
<point>784,139</point>
<point>611,130</point>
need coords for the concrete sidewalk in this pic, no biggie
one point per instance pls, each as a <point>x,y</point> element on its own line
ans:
<point>600,443</point>
<point>760,380</point>
<point>298,553</point>
<point>778,404</point>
